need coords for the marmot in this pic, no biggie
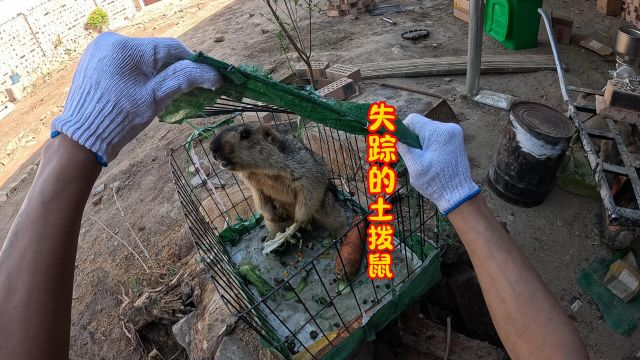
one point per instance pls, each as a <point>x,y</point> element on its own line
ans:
<point>289,182</point>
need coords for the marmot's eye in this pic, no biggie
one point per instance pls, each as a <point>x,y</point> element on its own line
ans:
<point>245,134</point>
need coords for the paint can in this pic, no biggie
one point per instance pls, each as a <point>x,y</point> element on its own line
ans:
<point>534,142</point>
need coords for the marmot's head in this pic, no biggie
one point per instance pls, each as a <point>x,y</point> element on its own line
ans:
<point>245,147</point>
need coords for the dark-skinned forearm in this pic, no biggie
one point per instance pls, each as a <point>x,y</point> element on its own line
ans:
<point>530,321</point>
<point>37,259</point>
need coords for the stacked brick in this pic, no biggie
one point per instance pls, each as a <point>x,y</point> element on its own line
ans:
<point>347,7</point>
<point>338,81</point>
<point>631,12</point>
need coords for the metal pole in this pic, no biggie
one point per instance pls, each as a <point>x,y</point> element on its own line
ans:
<point>556,56</point>
<point>474,52</point>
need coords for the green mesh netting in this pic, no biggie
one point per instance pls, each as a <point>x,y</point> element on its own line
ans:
<point>620,316</point>
<point>250,83</point>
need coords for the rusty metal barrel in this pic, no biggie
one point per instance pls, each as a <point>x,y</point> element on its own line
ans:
<point>530,152</point>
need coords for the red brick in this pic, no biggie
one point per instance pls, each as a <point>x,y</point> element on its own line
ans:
<point>337,12</point>
<point>340,90</point>
<point>320,83</point>
<point>339,71</point>
<point>301,71</point>
<point>319,69</point>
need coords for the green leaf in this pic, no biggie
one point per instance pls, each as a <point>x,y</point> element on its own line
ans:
<point>231,234</point>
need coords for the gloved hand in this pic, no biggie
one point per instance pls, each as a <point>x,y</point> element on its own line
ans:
<point>121,84</point>
<point>440,171</point>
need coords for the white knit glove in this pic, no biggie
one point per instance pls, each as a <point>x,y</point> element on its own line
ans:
<point>121,84</point>
<point>440,171</point>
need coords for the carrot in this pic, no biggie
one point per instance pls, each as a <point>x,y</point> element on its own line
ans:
<point>352,250</point>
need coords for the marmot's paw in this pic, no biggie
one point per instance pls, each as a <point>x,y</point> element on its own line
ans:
<point>280,238</point>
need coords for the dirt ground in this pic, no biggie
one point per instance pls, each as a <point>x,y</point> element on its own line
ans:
<point>560,237</point>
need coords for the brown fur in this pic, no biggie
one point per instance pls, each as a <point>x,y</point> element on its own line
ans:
<point>289,182</point>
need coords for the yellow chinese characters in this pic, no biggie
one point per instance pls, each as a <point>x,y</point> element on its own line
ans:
<point>380,237</point>
<point>380,266</point>
<point>382,115</point>
<point>382,148</point>
<point>381,180</point>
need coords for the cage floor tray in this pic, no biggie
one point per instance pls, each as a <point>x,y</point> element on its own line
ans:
<point>318,292</point>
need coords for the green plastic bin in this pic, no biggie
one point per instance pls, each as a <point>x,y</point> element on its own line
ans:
<point>514,23</point>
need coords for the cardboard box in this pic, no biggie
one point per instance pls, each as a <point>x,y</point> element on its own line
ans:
<point>614,113</point>
<point>617,94</point>
<point>623,278</point>
<point>610,7</point>
<point>461,9</point>
<point>562,29</point>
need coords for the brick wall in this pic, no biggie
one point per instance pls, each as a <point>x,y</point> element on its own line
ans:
<point>42,37</point>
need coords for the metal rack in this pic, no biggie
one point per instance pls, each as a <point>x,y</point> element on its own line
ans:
<point>615,213</point>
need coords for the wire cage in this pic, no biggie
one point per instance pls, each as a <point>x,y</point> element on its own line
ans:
<point>296,305</point>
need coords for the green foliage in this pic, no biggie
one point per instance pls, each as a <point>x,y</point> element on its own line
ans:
<point>98,20</point>
<point>234,232</point>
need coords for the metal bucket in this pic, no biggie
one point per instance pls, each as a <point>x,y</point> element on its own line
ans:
<point>534,142</point>
<point>628,47</point>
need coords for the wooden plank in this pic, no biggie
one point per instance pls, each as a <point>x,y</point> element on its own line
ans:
<point>453,65</point>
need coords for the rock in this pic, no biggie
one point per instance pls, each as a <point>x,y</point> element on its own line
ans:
<point>447,80</point>
<point>3,197</point>
<point>185,243</point>
<point>115,186</point>
<point>232,348</point>
<point>251,15</point>
<point>353,17</point>
<point>97,201</point>
<point>218,38</point>
<point>208,325</point>
<point>97,190</point>
<point>264,31</point>
<point>141,227</point>
<point>182,331</point>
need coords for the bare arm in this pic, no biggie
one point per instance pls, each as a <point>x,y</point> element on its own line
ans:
<point>120,85</point>
<point>38,256</point>
<point>529,320</point>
